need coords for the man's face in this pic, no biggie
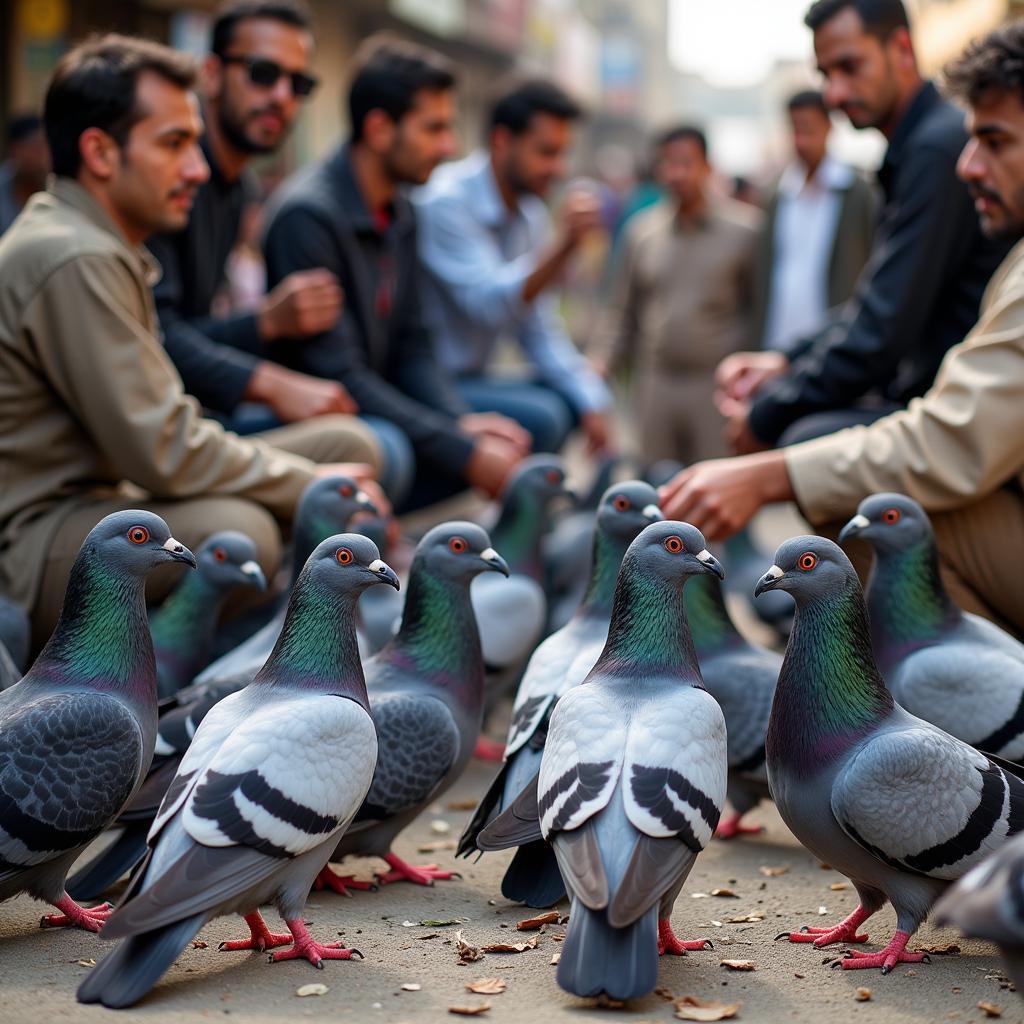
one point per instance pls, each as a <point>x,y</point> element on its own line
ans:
<point>810,134</point>
<point>423,138</point>
<point>31,159</point>
<point>257,118</point>
<point>683,170</point>
<point>859,69</point>
<point>992,163</point>
<point>533,162</point>
<point>160,166</point>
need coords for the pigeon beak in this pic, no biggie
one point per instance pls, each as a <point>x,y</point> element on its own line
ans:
<point>494,561</point>
<point>854,527</point>
<point>769,581</point>
<point>365,502</point>
<point>710,563</point>
<point>178,552</point>
<point>652,513</point>
<point>385,573</point>
<point>253,575</point>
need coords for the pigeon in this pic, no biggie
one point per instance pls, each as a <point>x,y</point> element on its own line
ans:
<point>953,669</point>
<point>15,634</point>
<point>77,732</point>
<point>183,626</point>
<point>426,697</point>
<point>744,562</point>
<point>988,903</point>
<point>561,662</point>
<point>741,677</point>
<point>894,803</point>
<point>633,776</point>
<point>380,608</point>
<point>274,774</point>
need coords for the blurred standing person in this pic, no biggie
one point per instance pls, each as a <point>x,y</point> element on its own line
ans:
<point>25,169</point>
<point>819,223</point>
<point>682,301</point>
<point>492,267</point>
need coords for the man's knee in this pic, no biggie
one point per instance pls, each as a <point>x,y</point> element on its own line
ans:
<point>550,420</point>
<point>347,439</point>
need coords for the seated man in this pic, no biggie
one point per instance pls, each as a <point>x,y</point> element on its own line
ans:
<point>346,213</point>
<point>491,267</point>
<point>24,172</point>
<point>957,449</point>
<point>93,417</point>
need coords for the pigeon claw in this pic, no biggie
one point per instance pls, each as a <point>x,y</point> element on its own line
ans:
<point>893,954</point>
<point>668,943</point>
<point>341,884</point>
<point>305,947</point>
<point>73,915</point>
<point>845,931</point>
<point>261,938</point>
<point>422,874</point>
<point>731,827</point>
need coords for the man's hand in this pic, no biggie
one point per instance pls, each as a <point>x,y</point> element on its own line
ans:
<point>597,428</point>
<point>740,375</point>
<point>304,303</point>
<point>363,475</point>
<point>721,496</point>
<point>297,396</point>
<point>493,459</point>
<point>737,431</point>
<point>478,423</point>
<point>579,216</point>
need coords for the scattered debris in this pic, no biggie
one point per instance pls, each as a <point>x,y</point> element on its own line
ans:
<point>432,923</point>
<point>316,989</point>
<point>739,965</point>
<point>199,944</point>
<point>716,924</point>
<point>467,954</point>
<point>692,1008</point>
<point>461,805</point>
<point>470,1011</point>
<point>990,1009</point>
<point>86,963</point>
<point>839,886</point>
<point>440,844</point>
<point>752,918</point>
<point>952,949</point>
<point>822,910</point>
<point>773,872</point>
<point>440,827</point>
<point>512,947</point>
<point>555,957</point>
<point>862,995</point>
<point>698,895</point>
<point>486,986</point>
<point>797,974</point>
<point>725,893</point>
<point>411,986</point>
<point>533,923</point>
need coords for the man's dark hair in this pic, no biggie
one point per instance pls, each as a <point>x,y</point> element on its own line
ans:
<point>880,17</point>
<point>994,63</point>
<point>808,99</point>
<point>389,73</point>
<point>517,104</point>
<point>93,86</point>
<point>22,126</point>
<point>230,15</point>
<point>681,132</point>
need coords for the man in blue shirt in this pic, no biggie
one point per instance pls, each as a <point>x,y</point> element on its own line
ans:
<point>491,260</point>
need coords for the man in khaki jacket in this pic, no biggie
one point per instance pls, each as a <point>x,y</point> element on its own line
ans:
<point>92,413</point>
<point>959,449</point>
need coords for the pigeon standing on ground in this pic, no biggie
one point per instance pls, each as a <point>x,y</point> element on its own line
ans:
<point>894,803</point>
<point>953,669</point>
<point>426,697</point>
<point>274,774</point>
<point>633,777</point>
<point>561,662</point>
<point>741,677</point>
<point>77,733</point>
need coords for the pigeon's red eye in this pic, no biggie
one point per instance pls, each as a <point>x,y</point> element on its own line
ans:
<point>458,545</point>
<point>220,554</point>
<point>138,535</point>
<point>346,490</point>
<point>891,515</point>
<point>553,476</point>
<point>674,545</point>
<point>344,556</point>
<point>621,503</point>
<point>807,561</point>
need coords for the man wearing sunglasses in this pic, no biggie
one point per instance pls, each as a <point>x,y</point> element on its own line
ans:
<point>254,83</point>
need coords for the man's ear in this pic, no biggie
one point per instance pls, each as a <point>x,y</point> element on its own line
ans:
<point>903,46</point>
<point>100,153</point>
<point>379,131</point>
<point>211,76</point>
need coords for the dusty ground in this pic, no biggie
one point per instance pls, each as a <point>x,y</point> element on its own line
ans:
<point>40,970</point>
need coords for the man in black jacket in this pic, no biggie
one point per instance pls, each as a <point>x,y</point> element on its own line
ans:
<point>346,213</point>
<point>922,286</point>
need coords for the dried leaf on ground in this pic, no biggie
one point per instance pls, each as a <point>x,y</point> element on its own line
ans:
<point>739,965</point>
<point>411,986</point>
<point>990,1009</point>
<point>512,947</point>
<point>467,954</point>
<point>839,886</point>
<point>431,922</point>
<point>86,963</point>
<point>531,924</point>
<point>751,918</point>
<point>199,944</point>
<point>316,989</point>
<point>429,935</point>
<point>470,1011</point>
<point>952,949</point>
<point>773,872</point>
<point>726,893</point>
<point>862,995</point>
<point>665,993</point>
<point>440,844</point>
<point>692,1008</point>
<point>486,986</point>
<point>461,805</point>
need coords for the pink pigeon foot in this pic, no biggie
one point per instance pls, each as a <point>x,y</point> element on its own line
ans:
<point>730,827</point>
<point>423,874</point>
<point>73,915</point>
<point>668,943</point>
<point>893,954</point>
<point>328,879</point>
<point>487,749</point>
<point>261,938</point>
<point>305,947</point>
<point>845,931</point>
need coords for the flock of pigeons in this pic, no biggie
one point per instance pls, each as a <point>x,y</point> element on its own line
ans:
<point>232,765</point>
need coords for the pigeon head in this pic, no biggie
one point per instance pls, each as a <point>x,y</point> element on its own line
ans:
<point>672,551</point>
<point>889,522</point>
<point>538,478</point>
<point>135,541</point>
<point>326,507</point>
<point>458,551</point>
<point>626,508</point>
<point>347,563</point>
<point>810,568</point>
<point>227,559</point>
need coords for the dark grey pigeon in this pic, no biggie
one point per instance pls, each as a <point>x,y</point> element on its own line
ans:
<point>632,781</point>
<point>77,733</point>
<point>380,609</point>
<point>273,776</point>
<point>953,669</point>
<point>426,698</point>
<point>900,807</point>
<point>561,662</point>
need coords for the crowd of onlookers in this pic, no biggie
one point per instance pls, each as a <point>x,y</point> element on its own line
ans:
<point>169,334</point>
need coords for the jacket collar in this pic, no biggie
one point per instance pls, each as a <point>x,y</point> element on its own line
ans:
<point>346,190</point>
<point>921,106</point>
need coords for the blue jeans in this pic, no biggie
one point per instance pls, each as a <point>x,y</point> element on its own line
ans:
<point>544,412</point>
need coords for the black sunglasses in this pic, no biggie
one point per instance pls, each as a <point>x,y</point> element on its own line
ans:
<point>266,74</point>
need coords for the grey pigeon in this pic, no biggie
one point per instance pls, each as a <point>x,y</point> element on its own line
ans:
<point>894,803</point>
<point>561,662</point>
<point>988,903</point>
<point>741,676</point>
<point>77,733</point>
<point>380,609</point>
<point>633,777</point>
<point>426,697</point>
<point>953,669</point>
<point>275,773</point>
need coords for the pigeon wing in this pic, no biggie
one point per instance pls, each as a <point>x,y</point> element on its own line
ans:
<point>511,615</point>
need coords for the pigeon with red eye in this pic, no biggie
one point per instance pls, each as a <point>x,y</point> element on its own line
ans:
<point>900,807</point>
<point>77,732</point>
<point>632,780</point>
<point>954,669</point>
<point>426,692</point>
<point>561,662</point>
<point>273,776</point>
